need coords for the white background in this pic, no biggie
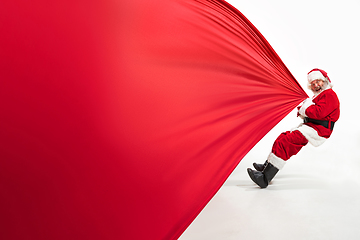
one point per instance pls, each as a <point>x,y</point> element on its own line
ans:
<point>317,194</point>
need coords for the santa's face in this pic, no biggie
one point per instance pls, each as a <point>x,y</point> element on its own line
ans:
<point>316,85</point>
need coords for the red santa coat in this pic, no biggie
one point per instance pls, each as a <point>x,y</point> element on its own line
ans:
<point>326,107</point>
<point>323,106</point>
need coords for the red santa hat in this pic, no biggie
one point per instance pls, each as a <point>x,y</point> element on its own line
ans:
<point>317,74</point>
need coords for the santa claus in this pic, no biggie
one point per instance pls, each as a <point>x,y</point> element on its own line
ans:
<point>319,114</point>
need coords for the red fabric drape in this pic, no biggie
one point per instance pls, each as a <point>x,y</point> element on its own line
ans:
<point>122,119</point>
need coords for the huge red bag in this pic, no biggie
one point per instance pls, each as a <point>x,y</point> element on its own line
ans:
<point>122,119</point>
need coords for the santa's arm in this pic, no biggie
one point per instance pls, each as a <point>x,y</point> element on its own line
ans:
<point>321,109</point>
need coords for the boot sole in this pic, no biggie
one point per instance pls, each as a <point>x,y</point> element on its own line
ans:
<point>252,176</point>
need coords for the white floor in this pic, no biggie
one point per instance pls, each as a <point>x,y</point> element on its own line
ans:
<point>315,196</point>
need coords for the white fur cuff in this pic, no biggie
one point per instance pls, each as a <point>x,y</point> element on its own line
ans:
<point>310,134</point>
<point>276,161</point>
<point>307,103</point>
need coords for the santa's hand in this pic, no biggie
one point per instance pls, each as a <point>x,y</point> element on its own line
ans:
<point>298,113</point>
<point>307,103</point>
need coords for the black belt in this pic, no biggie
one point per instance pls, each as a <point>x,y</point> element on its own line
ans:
<point>323,123</point>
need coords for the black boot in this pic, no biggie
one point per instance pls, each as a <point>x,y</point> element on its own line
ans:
<point>262,179</point>
<point>260,167</point>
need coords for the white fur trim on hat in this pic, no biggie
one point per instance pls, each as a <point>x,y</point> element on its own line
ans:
<point>310,134</point>
<point>315,75</point>
<point>276,161</point>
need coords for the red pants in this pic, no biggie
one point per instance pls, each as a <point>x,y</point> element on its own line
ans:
<point>288,144</point>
